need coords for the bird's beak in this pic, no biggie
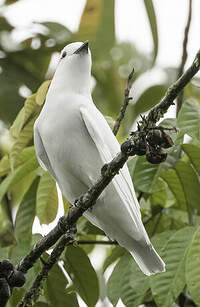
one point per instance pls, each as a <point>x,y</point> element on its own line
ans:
<point>83,49</point>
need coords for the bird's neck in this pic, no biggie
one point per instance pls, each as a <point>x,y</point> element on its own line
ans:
<point>59,85</point>
<point>71,80</point>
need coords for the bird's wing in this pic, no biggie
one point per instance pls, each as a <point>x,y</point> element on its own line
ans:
<point>41,153</point>
<point>108,146</point>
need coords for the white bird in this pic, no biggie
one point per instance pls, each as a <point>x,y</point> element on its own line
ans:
<point>73,141</point>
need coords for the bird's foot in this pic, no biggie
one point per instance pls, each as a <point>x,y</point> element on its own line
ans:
<point>77,203</point>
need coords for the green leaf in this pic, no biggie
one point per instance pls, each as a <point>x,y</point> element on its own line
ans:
<point>189,118</point>
<point>186,191</point>
<point>41,92</point>
<point>193,152</point>
<point>145,176</point>
<point>78,266</point>
<point>171,178</point>
<point>193,267</point>
<point>159,197</point>
<point>23,156</point>
<point>86,228</point>
<point>25,216</point>
<point>4,24</point>
<point>4,253</point>
<point>56,287</point>
<point>167,286</point>
<point>190,184</point>
<point>116,253</point>
<point>18,190</point>
<point>22,117</point>
<point>153,24</point>
<point>97,18</point>
<point>127,282</point>
<point>6,226</point>
<point>17,175</point>
<point>47,199</point>
<point>24,138</point>
<point>16,297</point>
<point>58,32</point>
<point>148,99</point>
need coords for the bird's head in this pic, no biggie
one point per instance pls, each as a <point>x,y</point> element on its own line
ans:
<point>74,67</point>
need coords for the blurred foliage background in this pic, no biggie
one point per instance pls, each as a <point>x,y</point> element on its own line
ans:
<point>169,193</point>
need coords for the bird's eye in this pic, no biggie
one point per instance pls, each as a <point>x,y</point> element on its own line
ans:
<point>63,54</point>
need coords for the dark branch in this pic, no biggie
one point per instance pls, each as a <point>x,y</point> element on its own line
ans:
<point>34,292</point>
<point>125,103</point>
<point>108,172</point>
<point>184,55</point>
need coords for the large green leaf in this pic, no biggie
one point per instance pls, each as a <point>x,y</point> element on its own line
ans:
<point>56,289</point>
<point>78,266</point>
<point>23,228</point>
<point>20,67</point>
<point>16,297</point>
<point>25,155</point>
<point>193,267</point>
<point>173,181</point>
<point>189,118</point>
<point>193,152</point>
<point>185,190</point>
<point>18,190</point>
<point>25,216</point>
<point>116,253</point>
<point>47,199</point>
<point>58,32</point>
<point>127,282</point>
<point>190,184</point>
<point>22,117</point>
<point>24,138</point>
<point>159,197</point>
<point>7,237</point>
<point>17,175</point>
<point>97,18</point>
<point>153,24</point>
<point>145,176</point>
<point>148,99</point>
<point>41,92</point>
<point>167,286</point>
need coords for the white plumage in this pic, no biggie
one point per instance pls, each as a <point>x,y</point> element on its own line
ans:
<point>73,141</point>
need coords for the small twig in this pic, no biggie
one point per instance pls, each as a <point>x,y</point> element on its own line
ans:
<point>98,242</point>
<point>184,56</point>
<point>33,293</point>
<point>125,103</point>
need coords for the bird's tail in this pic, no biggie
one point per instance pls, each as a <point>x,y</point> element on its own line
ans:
<point>147,259</point>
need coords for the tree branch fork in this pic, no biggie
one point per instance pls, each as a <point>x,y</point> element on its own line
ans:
<point>63,233</point>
